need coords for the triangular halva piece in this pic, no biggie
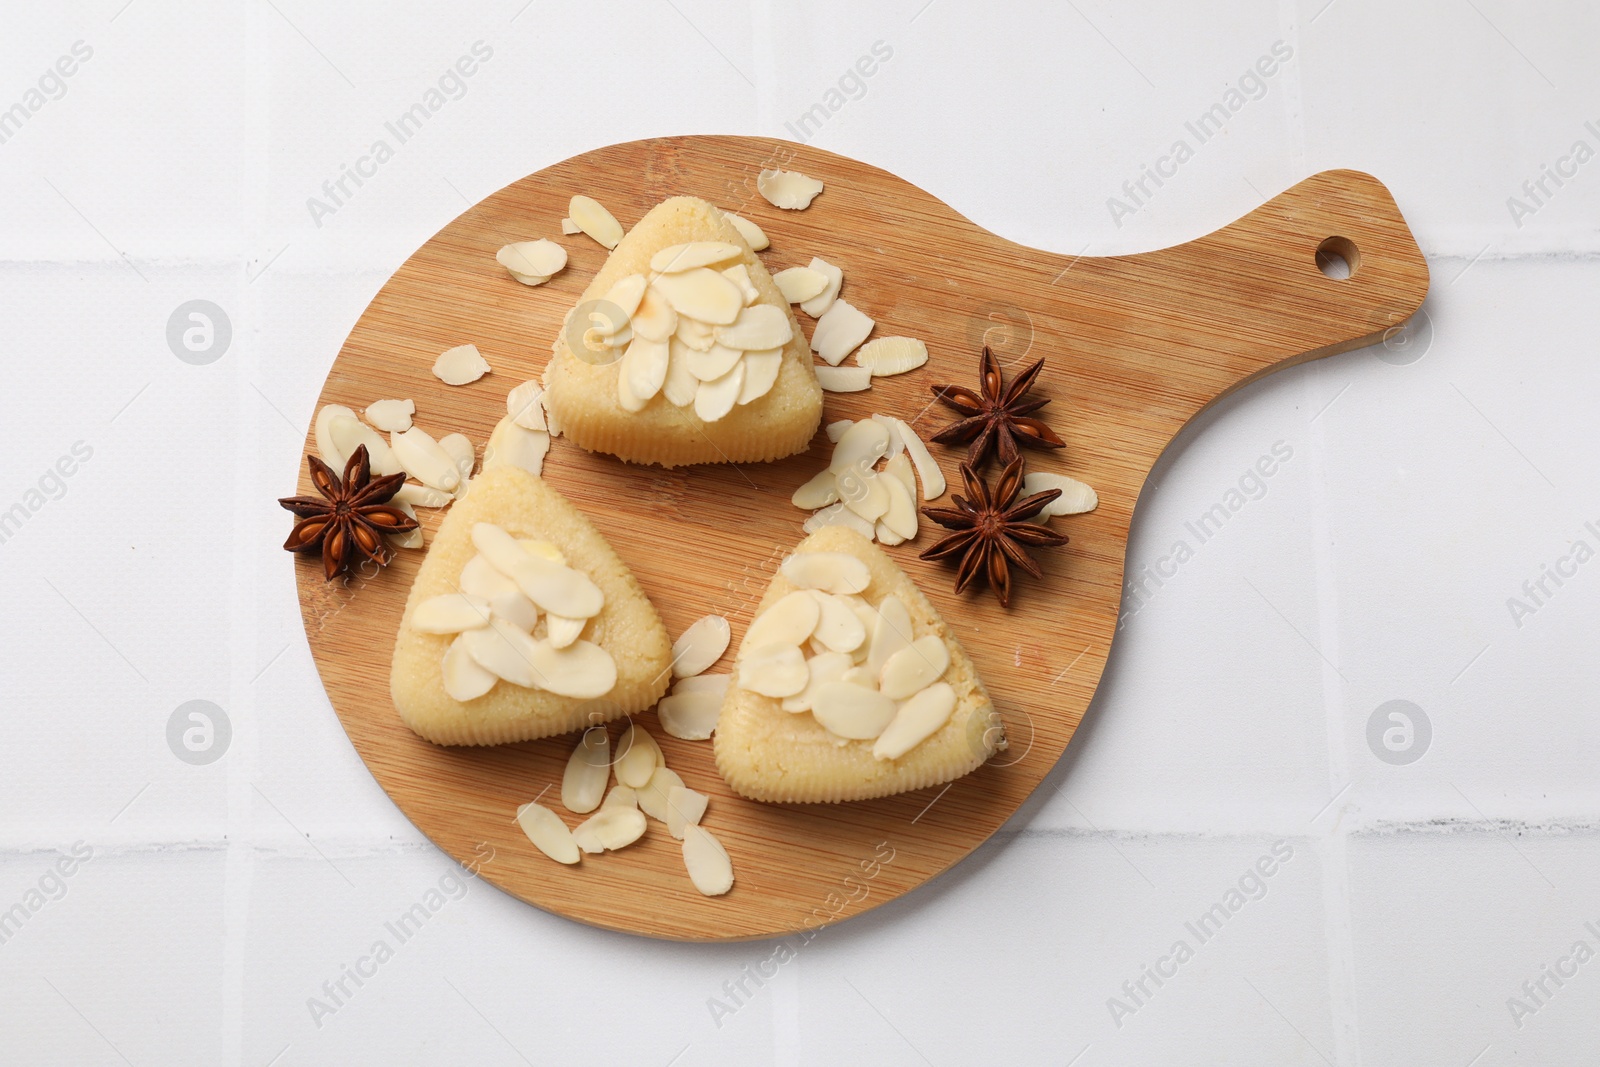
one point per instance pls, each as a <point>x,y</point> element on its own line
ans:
<point>683,350</point>
<point>523,623</point>
<point>849,685</point>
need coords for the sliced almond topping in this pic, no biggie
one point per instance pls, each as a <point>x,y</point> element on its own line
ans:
<point>654,318</point>
<point>557,589</point>
<point>823,667</point>
<point>625,295</point>
<point>830,572</point>
<point>707,862</point>
<point>677,258</point>
<point>583,783</point>
<point>901,515</point>
<point>915,667</point>
<point>703,683</point>
<point>505,651</point>
<point>645,367</point>
<point>840,329</point>
<point>927,467</point>
<point>714,362</point>
<point>892,633</point>
<point>864,492</point>
<point>653,797</point>
<point>464,678</point>
<point>752,234</point>
<point>562,631</point>
<point>774,670</point>
<point>542,549</point>
<point>800,283</point>
<point>848,710</point>
<point>583,669</point>
<point>348,433</point>
<point>818,305</point>
<point>838,515</point>
<point>450,613</point>
<point>514,608</point>
<point>836,430</point>
<point>620,796</point>
<point>838,628</point>
<point>541,257</point>
<point>524,406</point>
<point>788,189</point>
<point>638,756</point>
<point>391,416</point>
<point>884,356</point>
<point>680,386</point>
<point>899,468</point>
<point>511,445</point>
<point>760,374</point>
<point>869,622</point>
<point>739,275</point>
<point>498,547</point>
<point>690,715</point>
<point>896,446</point>
<point>616,341</point>
<point>548,833</point>
<point>860,676</point>
<point>480,579</point>
<point>570,227</point>
<point>844,379</point>
<point>788,622</point>
<point>595,220</point>
<point>819,492</point>
<point>758,327</point>
<point>860,447</point>
<point>700,646</point>
<point>685,808</point>
<point>916,721</point>
<point>460,365</point>
<point>420,496</point>
<point>694,334</point>
<point>609,829</point>
<point>701,294</point>
<point>714,399</point>
<point>1076,497</point>
<point>424,459</point>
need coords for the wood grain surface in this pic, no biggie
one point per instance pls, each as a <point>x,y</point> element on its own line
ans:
<point>1135,346</point>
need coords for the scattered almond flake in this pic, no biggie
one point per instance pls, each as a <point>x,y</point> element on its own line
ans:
<point>788,189</point>
<point>885,356</point>
<point>464,678</point>
<point>798,284</point>
<point>411,538</point>
<point>609,829</point>
<point>701,294</point>
<point>347,433</point>
<point>818,305</point>
<point>707,861</point>
<point>551,423</point>
<point>504,650</point>
<point>524,405</point>
<point>914,668</point>
<point>529,280</point>
<point>638,756</point>
<point>540,258</point>
<point>789,621</point>
<point>886,536</point>
<point>838,628</point>
<point>685,808</point>
<point>677,258</point>
<point>838,515</point>
<point>421,496</point>
<point>582,670</point>
<point>511,445</point>
<point>583,783</point>
<point>700,646</point>
<point>836,430</point>
<point>840,329</point>
<point>653,797</point>
<point>859,447</point>
<point>548,833</point>
<point>654,318</point>
<point>459,449</point>
<point>901,515</point>
<point>703,683</point>
<point>593,219</point>
<point>899,468</point>
<point>927,467</point>
<point>570,227</point>
<point>864,493</point>
<point>561,631</point>
<point>330,453</point>
<point>460,365</point>
<point>752,234</point>
<point>450,613</point>
<point>694,335</point>
<point>829,572</point>
<point>690,715</point>
<point>714,399</point>
<point>620,796</point>
<point>890,635</point>
<point>853,711</point>
<point>773,670</point>
<point>819,492</point>
<point>713,363</point>
<point>1075,499</point>
<point>424,459</point>
<point>391,416</point>
<point>823,667</point>
<point>761,371</point>
<point>758,327</point>
<point>739,275</point>
<point>916,721</point>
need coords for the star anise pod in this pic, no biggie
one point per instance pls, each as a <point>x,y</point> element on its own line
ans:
<point>350,520</point>
<point>990,530</point>
<point>996,421</point>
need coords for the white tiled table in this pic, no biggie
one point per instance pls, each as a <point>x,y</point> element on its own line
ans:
<point>1428,481</point>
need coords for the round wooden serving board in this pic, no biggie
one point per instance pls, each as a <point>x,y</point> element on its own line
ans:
<point>1135,346</point>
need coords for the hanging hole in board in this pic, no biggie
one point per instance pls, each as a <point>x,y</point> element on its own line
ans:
<point>1338,258</point>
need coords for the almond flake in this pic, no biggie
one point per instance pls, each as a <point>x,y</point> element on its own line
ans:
<point>391,416</point>
<point>450,613</point>
<point>707,862</point>
<point>788,189</point>
<point>680,385</point>
<point>844,379</point>
<point>761,371</point>
<point>348,433</point>
<point>511,445</point>
<point>838,515</point>
<point>824,667</point>
<point>896,446</point>
<point>886,536</point>
<point>541,257</point>
<point>583,669</point>
<point>1075,499</point>
<point>594,220</point>
<point>609,829</point>
<point>861,678</point>
<point>836,430</point>
<point>515,609</point>
<point>420,496</point>
<point>675,259</point>
<point>890,635</point>
<point>899,468</point>
<point>460,365</point>
<point>840,329</point>
<point>885,356</point>
<point>915,667</point>
<point>829,572</point>
<point>464,678</point>
<point>653,797</point>
<point>570,227</point>
<point>625,295</point>
<point>529,280</point>
<point>459,449</point>
<point>859,447</point>
<point>505,651</point>
<point>425,460</point>
<point>691,715</point>
<point>774,670</point>
<point>759,327</point>
<point>788,622</point>
<point>848,710</point>
<point>714,399</point>
<point>864,492</point>
<point>685,808</point>
<point>798,284</point>
<point>752,234</point>
<point>819,492</point>
<point>644,368</point>
<point>901,515</point>
<point>480,579</point>
<point>838,628</point>
<point>700,646</point>
<point>916,721</point>
<point>499,548</point>
<point>542,549</point>
<point>561,631</point>
<point>558,589</point>
<point>694,334</point>
<point>638,756</point>
<point>927,467</point>
<point>583,783</point>
<point>739,275</point>
<point>714,362</point>
<point>701,294</point>
<point>548,833</point>
<point>818,305</point>
<point>620,796</point>
<point>654,318</point>
<point>524,406</point>
<point>330,453</point>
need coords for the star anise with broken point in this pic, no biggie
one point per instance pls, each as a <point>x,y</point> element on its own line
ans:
<point>350,520</point>
<point>996,421</point>
<point>991,531</point>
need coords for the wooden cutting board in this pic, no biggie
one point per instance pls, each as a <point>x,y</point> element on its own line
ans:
<point>1135,346</point>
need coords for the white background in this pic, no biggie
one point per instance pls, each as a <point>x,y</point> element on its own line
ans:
<point>1429,480</point>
